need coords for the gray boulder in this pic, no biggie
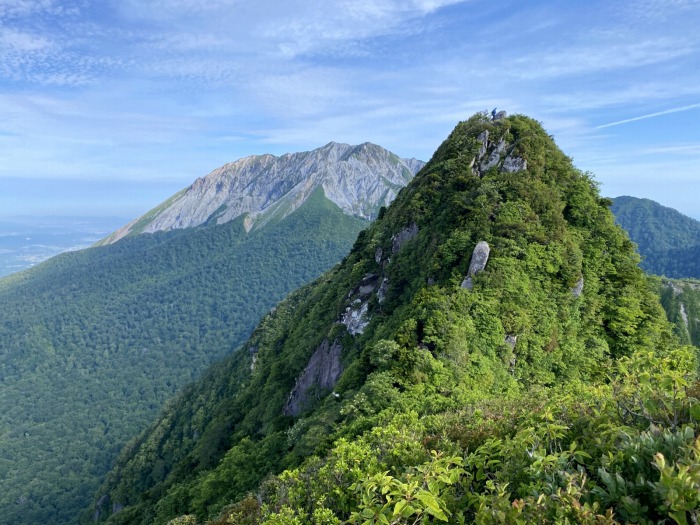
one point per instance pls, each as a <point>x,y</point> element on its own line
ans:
<point>480,257</point>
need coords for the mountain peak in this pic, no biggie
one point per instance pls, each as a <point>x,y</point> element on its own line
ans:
<point>359,179</point>
<point>497,271</point>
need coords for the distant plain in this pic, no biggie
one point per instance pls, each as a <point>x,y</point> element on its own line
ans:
<point>27,241</point>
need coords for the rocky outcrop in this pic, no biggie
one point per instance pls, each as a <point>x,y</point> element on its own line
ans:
<point>381,293</point>
<point>495,156</point>
<point>378,254</point>
<point>578,288</point>
<point>356,318</point>
<point>491,154</point>
<point>483,140</point>
<point>322,371</point>
<point>480,256</point>
<point>405,235</point>
<point>684,316</point>
<point>359,179</point>
<point>513,163</point>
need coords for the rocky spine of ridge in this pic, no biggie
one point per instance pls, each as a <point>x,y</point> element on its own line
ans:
<point>359,179</point>
<point>474,281</point>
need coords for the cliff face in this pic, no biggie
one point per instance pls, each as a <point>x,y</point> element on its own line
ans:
<point>359,179</point>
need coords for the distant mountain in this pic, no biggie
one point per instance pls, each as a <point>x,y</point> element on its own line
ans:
<point>93,342</point>
<point>263,188</point>
<point>668,241</point>
<point>489,352</point>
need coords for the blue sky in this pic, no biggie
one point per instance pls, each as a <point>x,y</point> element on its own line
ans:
<point>108,107</point>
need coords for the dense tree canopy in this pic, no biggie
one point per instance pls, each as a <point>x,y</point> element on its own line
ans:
<point>669,242</point>
<point>92,343</point>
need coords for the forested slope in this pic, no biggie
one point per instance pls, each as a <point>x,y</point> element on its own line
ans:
<point>93,342</point>
<point>681,300</point>
<point>489,352</point>
<point>668,241</point>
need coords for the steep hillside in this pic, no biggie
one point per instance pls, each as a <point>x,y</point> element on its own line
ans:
<point>92,343</point>
<point>358,179</point>
<point>477,357</point>
<point>669,242</point>
<point>681,300</point>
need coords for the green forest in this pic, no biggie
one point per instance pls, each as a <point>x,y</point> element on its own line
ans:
<point>545,387</point>
<point>681,300</point>
<point>93,343</point>
<point>668,240</point>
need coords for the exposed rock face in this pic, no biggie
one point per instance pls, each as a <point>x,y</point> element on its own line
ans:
<point>381,293</point>
<point>480,257</point>
<point>512,164</point>
<point>495,156</point>
<point>511,340</point>
<point>483,138</point>
<point>684,315</point>
<point>355,317</point>
<point>359,179</point>
<point>578,288</point>
<point>500,115</point>
<point>322,371</point>
<point>378,255</point>
<point>491,154</point>
<point>399,239</point>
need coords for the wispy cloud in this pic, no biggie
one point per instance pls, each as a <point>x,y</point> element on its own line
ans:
<point>650,115</point>
<point>137,89</point>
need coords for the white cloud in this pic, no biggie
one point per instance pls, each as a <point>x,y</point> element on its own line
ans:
<point>609,52</point>
<point>650,115</point>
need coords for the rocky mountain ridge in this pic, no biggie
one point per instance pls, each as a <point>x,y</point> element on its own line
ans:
<point>359,179</point>
<point>466,340</point>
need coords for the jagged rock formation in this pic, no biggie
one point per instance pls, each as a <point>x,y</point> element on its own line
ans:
<point>359,179</point>
<point>322,371</point>
<point>491,154</point>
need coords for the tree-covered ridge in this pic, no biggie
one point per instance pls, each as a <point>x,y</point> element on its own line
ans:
<point>668,240</point>
<point>92,343</point>
<point>681,300</point>
<point>526,395</point>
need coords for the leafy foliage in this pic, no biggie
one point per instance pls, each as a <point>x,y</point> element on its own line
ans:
<point>516,401</point>
<point>93,343</point>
